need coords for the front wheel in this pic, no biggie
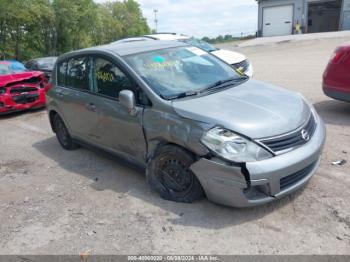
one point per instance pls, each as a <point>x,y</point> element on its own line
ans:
<point>168,172</point>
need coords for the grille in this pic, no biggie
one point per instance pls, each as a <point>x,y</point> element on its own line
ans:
<point>244,64</point>
<point>19,90</point>
<point>292,140</point>
<point>24,99</point>
<point>292,179</point>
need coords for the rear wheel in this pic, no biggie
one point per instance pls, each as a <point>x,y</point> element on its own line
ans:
<point>62,134</point>
<point>168,172</point>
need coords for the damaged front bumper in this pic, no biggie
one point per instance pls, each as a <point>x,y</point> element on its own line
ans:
<point>14,103</point>
<point>256,183</point>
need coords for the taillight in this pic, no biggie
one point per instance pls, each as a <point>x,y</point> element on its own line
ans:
<point>338,56</point>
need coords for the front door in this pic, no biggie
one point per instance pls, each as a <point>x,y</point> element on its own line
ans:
<point>116,129</point>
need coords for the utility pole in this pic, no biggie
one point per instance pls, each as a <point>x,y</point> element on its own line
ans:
<point>155,20</point>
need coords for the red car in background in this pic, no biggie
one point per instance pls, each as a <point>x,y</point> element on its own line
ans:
<point>21,89</point>
<point>336,78</point>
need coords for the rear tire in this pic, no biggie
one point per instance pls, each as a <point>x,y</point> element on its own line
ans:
<point>62,134</point>
<point>168,173</point>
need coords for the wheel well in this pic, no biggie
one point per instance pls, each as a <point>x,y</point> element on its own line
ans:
<point>152,151</point>
<point>52,114</point>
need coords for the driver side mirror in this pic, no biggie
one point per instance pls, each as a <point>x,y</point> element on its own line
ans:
<point>127,99</point>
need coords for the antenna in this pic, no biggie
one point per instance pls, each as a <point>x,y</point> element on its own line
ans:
<point>155,19</point>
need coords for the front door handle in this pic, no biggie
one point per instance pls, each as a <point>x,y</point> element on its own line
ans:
<point>91,107</point>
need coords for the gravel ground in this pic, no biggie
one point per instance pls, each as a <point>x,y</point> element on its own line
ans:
<point>58,202</point>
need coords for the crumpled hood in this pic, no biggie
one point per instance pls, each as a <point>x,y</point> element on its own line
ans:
<point>7,79</point>
<point>254,109</point>
<point>229,57</point>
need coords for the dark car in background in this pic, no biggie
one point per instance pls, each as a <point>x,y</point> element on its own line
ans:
<point>43,64</point>
<point>336,78</point>
<point>21,89</point>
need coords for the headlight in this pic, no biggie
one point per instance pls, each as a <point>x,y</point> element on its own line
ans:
<point>233,147</point>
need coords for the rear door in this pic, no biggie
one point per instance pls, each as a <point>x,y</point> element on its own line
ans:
<point>278,20</point>
<point>72,94</point>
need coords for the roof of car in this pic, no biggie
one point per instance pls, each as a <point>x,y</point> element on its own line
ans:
<point>159,36</point>
<point>167,36</point>
<point>44,58</point>
<point>128,48</point>
<point>133,39</point>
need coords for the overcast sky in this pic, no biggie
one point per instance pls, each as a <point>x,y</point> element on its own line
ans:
<point>202,17</point>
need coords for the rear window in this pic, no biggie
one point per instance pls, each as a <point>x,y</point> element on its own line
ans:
<point>47,62</point>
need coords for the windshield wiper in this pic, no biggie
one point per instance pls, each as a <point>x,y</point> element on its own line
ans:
<point>220,83</point>
<point>181,95</point>
<point>211,87</point>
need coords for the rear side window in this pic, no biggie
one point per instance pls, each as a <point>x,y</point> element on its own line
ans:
<point>61,73</point>
<point>78,73</point>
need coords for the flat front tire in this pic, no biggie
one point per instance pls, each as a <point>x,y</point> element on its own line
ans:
<point>168,172</point>
<point>62,134</point>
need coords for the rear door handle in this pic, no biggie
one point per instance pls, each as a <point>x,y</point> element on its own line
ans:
<point>91,107</point>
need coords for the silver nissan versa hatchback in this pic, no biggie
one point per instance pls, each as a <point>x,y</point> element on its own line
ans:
<point>197,126</point>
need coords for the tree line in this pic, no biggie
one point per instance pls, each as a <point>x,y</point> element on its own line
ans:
<point>37,28</point>
<point>226,38</point>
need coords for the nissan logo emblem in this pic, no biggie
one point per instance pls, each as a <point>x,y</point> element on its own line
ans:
<point>305,135</point>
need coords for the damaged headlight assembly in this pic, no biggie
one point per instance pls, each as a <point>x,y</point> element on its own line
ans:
<point>233,147</point>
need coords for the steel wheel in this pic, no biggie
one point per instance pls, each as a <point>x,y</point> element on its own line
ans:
<point>169,173</point>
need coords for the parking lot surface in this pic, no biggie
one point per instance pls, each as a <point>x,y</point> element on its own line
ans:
<point>54,201</point>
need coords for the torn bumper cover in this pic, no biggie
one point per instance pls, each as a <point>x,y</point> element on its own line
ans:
<point>264,180</point>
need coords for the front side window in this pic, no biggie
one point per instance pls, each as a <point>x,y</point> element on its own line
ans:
<point>108,79</point>
<point>173,71</point>
<point>78,73</point>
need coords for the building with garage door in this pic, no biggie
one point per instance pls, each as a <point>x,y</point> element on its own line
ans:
<point>279,17</point>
